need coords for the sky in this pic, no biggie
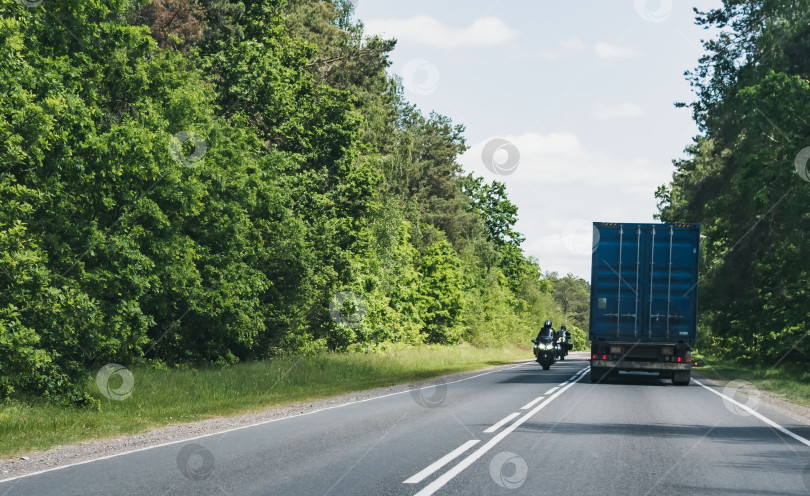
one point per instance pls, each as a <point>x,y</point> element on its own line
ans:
<point>569,104</point>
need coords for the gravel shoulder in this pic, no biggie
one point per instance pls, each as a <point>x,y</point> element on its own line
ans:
<point>101,448</point>
<point>771,400</point>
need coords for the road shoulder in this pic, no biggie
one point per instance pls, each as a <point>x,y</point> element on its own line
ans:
<point>771,400</point>
<point>71,454</point>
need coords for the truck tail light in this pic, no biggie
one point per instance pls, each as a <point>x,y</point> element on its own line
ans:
<point>594,356</point>
<point>604,357</point>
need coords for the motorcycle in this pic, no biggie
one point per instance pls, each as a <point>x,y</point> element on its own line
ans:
<point>562,351</point>
<point>545,352</point>
<point>565,343</point>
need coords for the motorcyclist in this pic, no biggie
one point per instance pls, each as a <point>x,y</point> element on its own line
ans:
<point>546,332</point>
<point>546,348</point>
<point>565,337</point>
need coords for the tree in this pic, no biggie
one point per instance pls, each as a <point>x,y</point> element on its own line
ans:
<point>572,294</point>
<point>490,202</point>
<point>740,179</point>
<point>441,289</point>
<point>193,182</point>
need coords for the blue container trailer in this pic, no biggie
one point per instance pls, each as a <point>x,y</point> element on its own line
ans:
<point>644,294</point>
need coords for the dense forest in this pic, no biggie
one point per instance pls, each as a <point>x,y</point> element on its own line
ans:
<point>745,178</point>
<point>199,183</point>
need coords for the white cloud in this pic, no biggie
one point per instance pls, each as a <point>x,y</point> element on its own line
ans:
<point>564,49</point>
<point>487,31</point>
<point>621,110</point>
<point>561,187</point>
<point>608,51</point>
<point>560,158</point>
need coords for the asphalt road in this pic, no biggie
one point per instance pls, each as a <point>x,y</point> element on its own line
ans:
<point>488,435</point>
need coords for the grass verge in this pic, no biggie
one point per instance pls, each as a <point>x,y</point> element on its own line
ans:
<point>162,397</point>
<point>792,381</point>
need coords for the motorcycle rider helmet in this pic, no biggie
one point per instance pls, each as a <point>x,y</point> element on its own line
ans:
<point>547,324</point>
<point>562,328</point>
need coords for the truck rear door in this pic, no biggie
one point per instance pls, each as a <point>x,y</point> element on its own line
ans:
<point>644,280</point>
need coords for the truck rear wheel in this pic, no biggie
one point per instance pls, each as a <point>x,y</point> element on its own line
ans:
<point>596,374</point>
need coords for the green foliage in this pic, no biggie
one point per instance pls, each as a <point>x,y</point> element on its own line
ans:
<point>741,183</point>
<point>490,202</point>
<point>579,338</point>
<point>573,295</point>
<point>306,174</point>
<point>440,288</point>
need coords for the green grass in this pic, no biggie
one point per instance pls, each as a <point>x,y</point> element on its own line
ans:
<point>789,380</point>
<point>162,397</point>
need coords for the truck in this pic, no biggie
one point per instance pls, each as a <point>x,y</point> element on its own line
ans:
<point>644,297</point>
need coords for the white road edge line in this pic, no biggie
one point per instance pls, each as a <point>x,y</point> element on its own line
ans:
<point>441,462</point>
<point>757,415</point>
<point>146,448</point>
<point>531,403</point>
<point>501,422</point>
<point>552,390</point>
<point>463,464</point>
<point>562,384</point>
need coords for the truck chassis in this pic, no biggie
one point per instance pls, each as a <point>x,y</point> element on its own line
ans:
<point>669,360</point>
